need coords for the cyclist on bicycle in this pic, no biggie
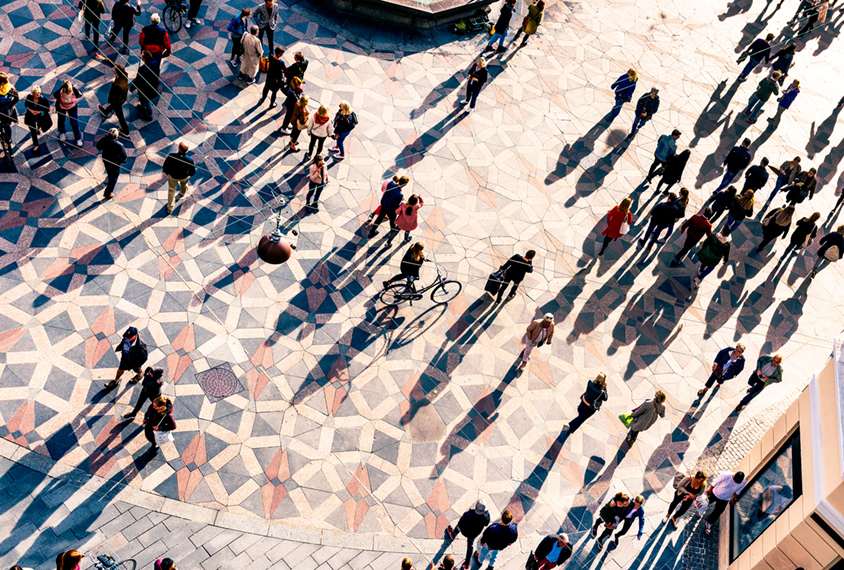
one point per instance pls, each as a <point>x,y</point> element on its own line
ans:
<point>410,264</point>
<point>155,39</point>
<point>8,114</point>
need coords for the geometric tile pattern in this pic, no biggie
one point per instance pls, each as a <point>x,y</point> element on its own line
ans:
<point>351,416</point>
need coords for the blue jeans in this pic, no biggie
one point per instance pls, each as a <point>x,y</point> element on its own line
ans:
<point>751,65</point>
<point>340,138</point>
<point>732,223</point>
<point>145,105</point>
<point>619,103</point>
<point>637,122</point>
<point>777,185</point>
<point>483,551</point>
<point>756,388</point>
<point>728,178</point>
<point>754,107</point>
<point>704,271</point>
<point>499,37</point>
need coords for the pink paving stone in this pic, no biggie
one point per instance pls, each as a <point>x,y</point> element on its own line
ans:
<point>278,467</point>
<point>483,427</point>
<point>175,243</point>
<point>189,453</point>
<point>315,297</point>
<point>11,220</point>
<point>272,496</point>
<point>438,498</point>
<point>193,481</point>
<point>200,458</point>
<point>101,468</point>
<point>104,323</point>
<point>24,419</point>
<point>10,337</point>
<point>95,349</point>
<point>57,268</point>
<point>241,285</point>
<point>256,382</point>
<point>185,339</point>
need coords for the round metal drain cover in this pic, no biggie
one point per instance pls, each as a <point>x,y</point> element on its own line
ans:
<point>219,383</point>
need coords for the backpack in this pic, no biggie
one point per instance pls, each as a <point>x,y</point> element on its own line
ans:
<point>832,254</point>
<point>678,478</point>
<point>353,121</point>
<point>119,153</point>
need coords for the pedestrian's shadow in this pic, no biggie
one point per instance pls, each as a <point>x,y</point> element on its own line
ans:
<point>724,303</point>
<point>527,493</point>
<point>593,177</point>
<point>735,8</point>
<point>830,33</point>
<point>752,29</point>
<point>711,167</point>
<point>577,151</point>
<point>414,152</point>
<point>750,315</point>
<point>712,115</point>
<point>785,320</point>
<point>819,138</point>
<point>438,93</point>
<point>829,166</point>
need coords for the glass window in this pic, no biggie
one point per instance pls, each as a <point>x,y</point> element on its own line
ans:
<point>766,496</point>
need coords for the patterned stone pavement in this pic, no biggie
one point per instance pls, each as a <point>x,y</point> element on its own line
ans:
<point>351,417</point>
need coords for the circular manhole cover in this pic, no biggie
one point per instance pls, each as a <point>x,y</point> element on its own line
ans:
<point>219,383</point>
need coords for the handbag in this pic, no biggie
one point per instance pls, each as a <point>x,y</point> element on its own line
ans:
<point>625,227</point>
<point>626,419</point>
<point>532,563</point>
<point>162,437</point>
<point>263,65</point>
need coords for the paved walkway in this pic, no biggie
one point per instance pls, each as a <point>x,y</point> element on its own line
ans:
<point>346,417</point>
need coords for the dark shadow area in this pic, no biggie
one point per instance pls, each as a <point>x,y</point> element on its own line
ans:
<point>731,135</point>
<point>575,152</point>
<point>414,152</point>
<point>786,318</point>
<point>819,137</point>
<point>712,116</point>
<point>593,177</point>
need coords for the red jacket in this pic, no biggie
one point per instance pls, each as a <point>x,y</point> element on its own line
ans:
<point>698,226</point>
<point>614,220</point>
<point>156,40</point>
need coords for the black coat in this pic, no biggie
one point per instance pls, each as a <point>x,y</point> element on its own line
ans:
<point>137,354</point>
<point>472,524</point>
<point>665,214</point>
<point>123,14</point>
<point>516,268</point>
<point>275,73</point>
<point>740,213</point>
<point>179,166</point>
<point>164,421</point>
<point>146,82</point>
<point>42,121</point>
<point>152,383</point>
<point>113,150</point>
<point>408,266</point>
<point>737,159</point>
<point>504,19</point>
<point>803,229</point>
<point>829,240</point>
<point>675,166</point>
<point>296,69</point>
<point>647,104</point>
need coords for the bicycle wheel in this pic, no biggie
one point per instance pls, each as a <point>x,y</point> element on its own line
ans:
<point>126,565</point>
<point>446,291</point>
<point>396,294</point>
<point>173,18</point>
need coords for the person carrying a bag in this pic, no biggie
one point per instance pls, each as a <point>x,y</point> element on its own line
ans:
<point>299,120</point>
<point>133,355</point>
<point>609,515</point>
<point>832,245</point>
<point>553,550</point>
<point>804,232</point>
<point>775,224</point>
<point>619,220</point>
<point>538,333</point>
<point>344,123</point>
<point>158,423</point>
<point>237,27</point>
<point>686,490</point>
<point>531,22</point>
<point>37,116</point>
<point>729,362</point>
<point>803,187</point>
<point>590,402</point>
<point>646,415</point>
<point>514,271</point>
<point>150,390</point>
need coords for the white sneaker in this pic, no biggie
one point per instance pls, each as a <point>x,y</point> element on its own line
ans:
<point>187,25</point>
<point>62,137</point>
<point>79,143</point>
<point>463,102</point>
<point>197,21</point>
<point>665,520</point>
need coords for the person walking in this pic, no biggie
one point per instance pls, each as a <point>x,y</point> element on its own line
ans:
<point>531,21</point>
<point>729,362</point>
<point>758,51</point>
<point>715,249</point>
<point>741,209</point>
<point>804,232</point>
<point>501,26</point>
<point>114,155</point>
<point>662,217</point>
<point>299,120</point>
<point>344,123</point>
<point>179,167</point>
<point>193,12</point>
<point>673,170</point>
<point>721,201</point>
<point>786,174</point>
<point>553,550</point>
<point>788,96</point>
<point>391,199</point>
<point>297,68</point>
<point>252,53</point>
<point>735,161</point>
<point>37,115</point>
<point>515,270</point>
<point>782,60</point>
<point>538,332</point>
<point>9,99</point>
<point>67,101</point>
<point>666,147</point>
<point>776,224</point>
<point>133,355</point>
<point>619,220</point>
<point>681,203</point>
<point>723,491</point>
<point>698,226</point>
<point>407,218</point>
<point>478,75</point>
<point>158,419</point>
<point>117,95</point>
<point>410,265</point>
<point>832,246</point>
<point>69,560</point>
<point>685,492</point>
<point>317,179</point>
<point>634,511</point>
<point>238,27</point>
<point>756,176</point>
<point>146,83</point>
<point>320,128</point>
<point>645,415</point>
<point>767,87</point>
<point>624,87</point>
<point>123,18</point>
<point>812,15</point>
<point>646,108</point>
<point>155,39</point>
<point>495,538</point>
<point>609,516</point>
<point>92,13</point>
<point>768,371</point>
<point>590,401</point>
<point>471,524</point>
<point>266,17</point>
<point>803,187</point>
<point>275,77</point>
<point>151,385</point>
<point>294,93</point>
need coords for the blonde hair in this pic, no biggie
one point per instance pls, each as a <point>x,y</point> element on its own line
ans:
<point>481,62</point>
<point>632,74</point>
<point>303,101</point>
<point>601,380</point>
<point>35,89</point>
<point>322,111</point>
<point>625,204</point>
<point>345,107</point>
<point>783,218</point>
<point>296,82</point>
<point>660,397</point>
<point>746,199</point>
<point>162,401</point>
<point>406,563</point>
<point>639,500</point>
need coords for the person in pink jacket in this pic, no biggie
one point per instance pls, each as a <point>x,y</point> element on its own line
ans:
<point>615,219</point>
<point>407,215</point>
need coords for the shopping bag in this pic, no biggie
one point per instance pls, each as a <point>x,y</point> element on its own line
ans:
<point>162,437</point>
<point>701,504</point>
<point>626,419</point>
<point>263,65</point>
<point>495,282</point>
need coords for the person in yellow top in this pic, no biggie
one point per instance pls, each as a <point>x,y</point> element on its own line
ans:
<point>8,114</point>
<point>531,22</point>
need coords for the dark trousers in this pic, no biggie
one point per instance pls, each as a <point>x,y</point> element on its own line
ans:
<point>269,88</point>
<point>194,9</point>
<point>680,499</point>
<point>125,28</point>
<point>470,546</point>
<point>33,132</point>
<point>512,290</point>
<point>473,89</point>
<point>625,526</point>
<point>756,387</point>
<point>687,247</point>
<point>288,116</point>
<point>92,24</point>
<point>607,529</point>
<point>118,111</point>
<point>318,142</point>
<point>657,163</point>
<point>616,109</point>
<point>237,47</point>
<point>74,121</point>
<point>142,399</point>
<point>314,191</point>
<point>718,507</point>
<point>668,185</point>
<point>381,217</point>
<point>713,379</point>
<point>654,229</point>
<point>584,412</point>
<point>149,433</point>
<point>112,171</point>
<point>145,107</point>
<point>269,33</point>
<point>294,135</point>
<point>607,240</point>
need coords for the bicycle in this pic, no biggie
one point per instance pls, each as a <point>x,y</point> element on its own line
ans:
<point>6,141</point>
<point>443,290</point>
<point>105,559</point>
<point>173,15</point>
